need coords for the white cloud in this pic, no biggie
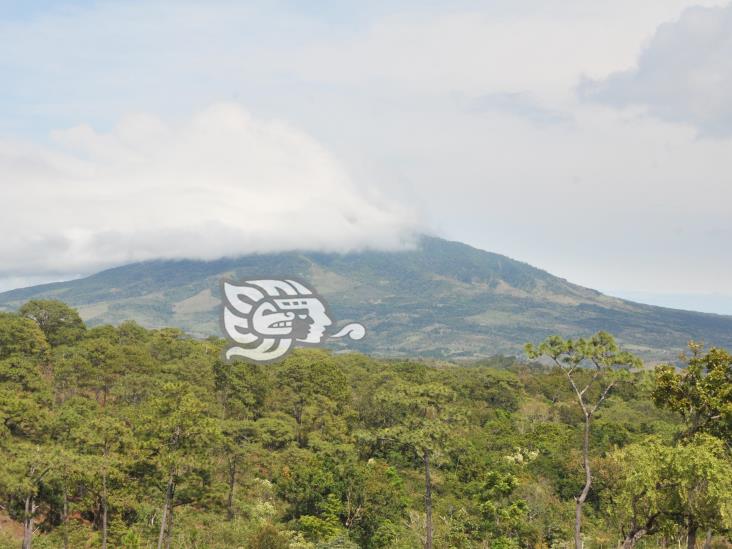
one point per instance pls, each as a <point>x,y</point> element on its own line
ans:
<point>465,110</point>
<point>683,75</point>
<point>536,46</point>
<point>220,184</point>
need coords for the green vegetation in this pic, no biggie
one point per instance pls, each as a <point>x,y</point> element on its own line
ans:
<point>127,437</point>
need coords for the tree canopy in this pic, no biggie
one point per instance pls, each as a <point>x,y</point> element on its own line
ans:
<point>130,437</point>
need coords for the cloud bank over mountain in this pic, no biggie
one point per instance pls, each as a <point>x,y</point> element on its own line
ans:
<point>221,183</point>
<point>467,111</point>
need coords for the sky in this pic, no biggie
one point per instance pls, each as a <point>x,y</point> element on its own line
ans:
<point>592,139</point>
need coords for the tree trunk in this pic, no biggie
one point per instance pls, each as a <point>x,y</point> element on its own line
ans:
<point>28,523</point>
<point>297,412</point>
<point>580,500</point>
<point>169,533</point>
<point>708,539</point>
<point>104,500</point>
<point>632,538</point>
<point>232,484</point>
<point>691,540</point>
<point>637,532</point>
<point>427,501</point>
<point>166,510</point>
<point>65,519</point>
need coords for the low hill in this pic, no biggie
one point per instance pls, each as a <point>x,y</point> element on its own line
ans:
<point>442,299</point>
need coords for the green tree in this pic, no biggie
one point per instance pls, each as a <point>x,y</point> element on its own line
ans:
<point>701,393</point>
<point>417,418</point>
<point>24,398</point>
<point>502,514</point>
<point>104,359</point>
<point>25,421</point>
<point>701,497</point>
<point>637,489</point>
<point>650,487</point>
<point>240,392</point>
<point>61,324</point>
<point>179,435</point>
<point>602,356</point>
<point>21,336</point>
<point>107,439</point>
<point>69,477</point>
<point>310,382</point>
<point>24,479</point>
<point>76,467</point>
<point>374,502</point>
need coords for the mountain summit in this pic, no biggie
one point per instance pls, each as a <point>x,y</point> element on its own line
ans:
<point>441,299</point>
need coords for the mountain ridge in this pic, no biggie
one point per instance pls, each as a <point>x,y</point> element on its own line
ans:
<point>441,299</point>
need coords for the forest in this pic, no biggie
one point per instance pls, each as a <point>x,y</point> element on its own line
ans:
<point>119,436</point>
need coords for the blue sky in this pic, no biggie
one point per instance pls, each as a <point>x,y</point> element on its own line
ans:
<point>588,138</point>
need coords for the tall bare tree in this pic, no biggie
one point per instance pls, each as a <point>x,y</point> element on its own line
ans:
<point>591,367</point>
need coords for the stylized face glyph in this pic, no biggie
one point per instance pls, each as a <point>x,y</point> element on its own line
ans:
<point>301,318</point>
<point>266,318</point>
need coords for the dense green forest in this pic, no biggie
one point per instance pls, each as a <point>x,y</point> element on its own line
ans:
<point>127,437</point>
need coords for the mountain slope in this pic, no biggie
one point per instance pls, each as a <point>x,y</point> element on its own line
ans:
<point>442,299</point>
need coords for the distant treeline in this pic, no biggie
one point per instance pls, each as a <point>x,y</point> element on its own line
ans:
<point>127,437</point>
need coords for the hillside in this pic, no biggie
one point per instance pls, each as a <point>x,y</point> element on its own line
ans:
<point>442,299</point>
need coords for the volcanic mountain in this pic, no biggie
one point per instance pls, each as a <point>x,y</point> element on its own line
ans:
<point>441,299</point>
